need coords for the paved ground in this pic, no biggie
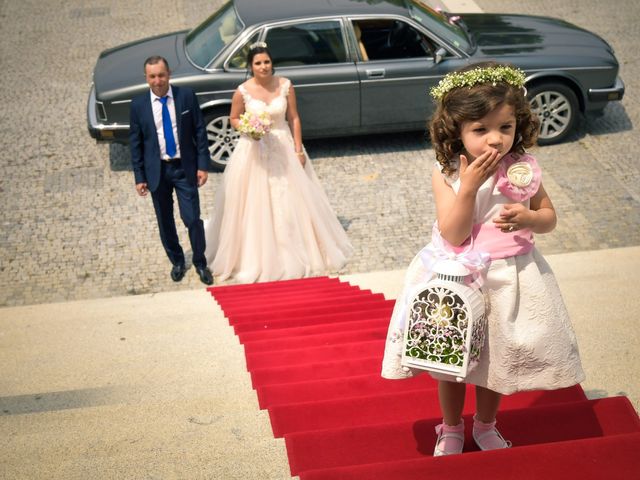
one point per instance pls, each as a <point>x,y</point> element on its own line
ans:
<point>73,227</point>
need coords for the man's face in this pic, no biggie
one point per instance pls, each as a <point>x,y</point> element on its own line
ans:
<point>157,76</point>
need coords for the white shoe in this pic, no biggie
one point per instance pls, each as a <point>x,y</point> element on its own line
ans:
<point>485,431</point>
<point>445,431</point>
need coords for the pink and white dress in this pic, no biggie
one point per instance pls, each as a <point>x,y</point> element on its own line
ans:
<point>530,343</point>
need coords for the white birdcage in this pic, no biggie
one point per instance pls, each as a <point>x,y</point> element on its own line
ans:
<point>445,323</point>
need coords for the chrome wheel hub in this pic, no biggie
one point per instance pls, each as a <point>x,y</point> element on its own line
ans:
<point>554,111</point>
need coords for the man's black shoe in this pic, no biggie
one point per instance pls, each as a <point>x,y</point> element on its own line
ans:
<point>177,272</point>
<point>205,275</point>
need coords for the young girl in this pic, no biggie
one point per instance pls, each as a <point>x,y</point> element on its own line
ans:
<point>489,197</point>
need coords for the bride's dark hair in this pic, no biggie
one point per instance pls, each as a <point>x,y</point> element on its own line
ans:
<point>255,49</point>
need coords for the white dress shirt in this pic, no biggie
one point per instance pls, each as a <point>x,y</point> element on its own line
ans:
<point>156,106</point>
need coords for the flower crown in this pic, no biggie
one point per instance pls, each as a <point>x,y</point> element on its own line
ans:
<point>477,76</point>
<point>257,45</point>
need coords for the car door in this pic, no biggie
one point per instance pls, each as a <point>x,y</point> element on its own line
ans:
<point>314,55</point>
<point>397,68</point>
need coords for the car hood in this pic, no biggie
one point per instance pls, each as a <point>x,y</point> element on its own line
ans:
<point>506,35</point>
<point>120,69</point>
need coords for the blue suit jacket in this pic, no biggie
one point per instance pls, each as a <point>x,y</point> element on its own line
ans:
<point>143,138</point>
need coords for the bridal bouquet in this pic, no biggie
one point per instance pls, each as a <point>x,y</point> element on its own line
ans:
<point>256,125</point>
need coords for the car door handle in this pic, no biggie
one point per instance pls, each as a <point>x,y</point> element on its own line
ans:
<point>377,73</point>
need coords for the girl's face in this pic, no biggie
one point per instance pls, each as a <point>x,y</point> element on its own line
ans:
<point>261,66</point>
<point>495,131</point>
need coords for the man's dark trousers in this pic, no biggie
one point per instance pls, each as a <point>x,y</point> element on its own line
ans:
<point>172,177</point>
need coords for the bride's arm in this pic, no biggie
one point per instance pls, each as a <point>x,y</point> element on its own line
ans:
<point>294,124</point>
<point>237,108</point>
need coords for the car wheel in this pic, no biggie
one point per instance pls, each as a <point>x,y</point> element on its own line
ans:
<point>557,108</point>
<point>222,138</point>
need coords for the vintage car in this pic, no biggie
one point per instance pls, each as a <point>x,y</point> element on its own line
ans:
<point>359,67</point>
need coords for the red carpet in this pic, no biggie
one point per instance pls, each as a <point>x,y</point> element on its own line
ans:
<point>314,348</point>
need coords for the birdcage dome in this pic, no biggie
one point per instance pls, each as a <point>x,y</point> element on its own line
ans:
<point>451,270</point>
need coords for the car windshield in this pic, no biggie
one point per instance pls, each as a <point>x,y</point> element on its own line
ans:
<point>440,24</point>
<point>207,40</point>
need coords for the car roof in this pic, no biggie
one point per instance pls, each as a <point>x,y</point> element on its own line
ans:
<point>258,11</point>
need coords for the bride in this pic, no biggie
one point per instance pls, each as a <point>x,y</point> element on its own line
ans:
<point>271,218</point>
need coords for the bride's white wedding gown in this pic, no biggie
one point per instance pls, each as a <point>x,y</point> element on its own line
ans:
<point>271,219</point>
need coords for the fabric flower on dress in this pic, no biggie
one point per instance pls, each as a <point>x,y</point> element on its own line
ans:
<point>519,176</point>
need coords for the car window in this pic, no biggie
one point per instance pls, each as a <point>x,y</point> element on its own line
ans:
<point>207,40</point>
<point>439,24</point>
<point>385,39</point>
<point>239,57</point>
<point>307,44</point>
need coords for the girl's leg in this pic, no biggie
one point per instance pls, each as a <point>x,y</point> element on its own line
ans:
<point>485,433</point>
<point>451,396</point>
<point>487,403</point>
<point>451,432</point>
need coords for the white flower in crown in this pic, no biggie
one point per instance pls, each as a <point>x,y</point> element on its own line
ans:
<point>257,45</point>
<point>477,76</point>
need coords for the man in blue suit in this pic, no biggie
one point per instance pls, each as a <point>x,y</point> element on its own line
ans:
<point>169,151</point>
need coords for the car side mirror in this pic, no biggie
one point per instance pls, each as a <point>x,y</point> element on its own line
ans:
<point>440,54</point>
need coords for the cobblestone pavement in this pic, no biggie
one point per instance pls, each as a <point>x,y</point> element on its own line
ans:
<point>73,227</point>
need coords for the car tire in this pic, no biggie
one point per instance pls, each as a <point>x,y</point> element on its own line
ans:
<point>221,136</point>
<point>557,108</point>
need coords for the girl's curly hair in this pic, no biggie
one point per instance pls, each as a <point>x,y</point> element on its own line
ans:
<point>468,104</point>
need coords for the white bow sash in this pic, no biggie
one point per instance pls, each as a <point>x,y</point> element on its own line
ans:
<point>477,263</point>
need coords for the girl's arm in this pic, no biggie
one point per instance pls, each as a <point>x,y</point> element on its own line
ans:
<point>540,217</point>
<point>237,108</point>
<point>545,218</point>
<point>455,211</point>
<point>294,123</point>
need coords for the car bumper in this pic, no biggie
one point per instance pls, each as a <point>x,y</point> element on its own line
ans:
<point>616,92</point>
<point>101,131</point>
